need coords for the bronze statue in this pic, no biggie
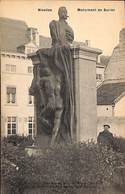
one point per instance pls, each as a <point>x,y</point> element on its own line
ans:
<point>61,32</point>
<point>52,85</point>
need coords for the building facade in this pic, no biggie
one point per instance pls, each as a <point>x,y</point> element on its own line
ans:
<point>17,106</point>
<point>16,103</point>
<point>111,93</point>
<point>99,73</point>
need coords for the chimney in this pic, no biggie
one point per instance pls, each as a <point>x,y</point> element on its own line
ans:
<point>87,43</point>
<point>33,35</point>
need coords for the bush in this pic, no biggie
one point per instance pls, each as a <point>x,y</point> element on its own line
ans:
<point>11,155</point>
<point>119,144</point>
<point>62,169</point>
<point>119,174</point>
<point>17,140</point>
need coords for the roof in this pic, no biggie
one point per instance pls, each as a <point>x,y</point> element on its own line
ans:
<point>108,93</point>
<point>13,35</point>
<point>116,65</point>
<point>45,42</point>
<point>30,44</point>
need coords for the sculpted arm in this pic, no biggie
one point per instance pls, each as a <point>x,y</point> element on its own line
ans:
<point>54,32</point>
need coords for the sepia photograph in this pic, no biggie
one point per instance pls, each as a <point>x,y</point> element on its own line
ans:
<point>62,97</point>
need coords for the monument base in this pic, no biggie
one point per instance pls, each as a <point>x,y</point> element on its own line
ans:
<point>84,87</point>
<point>84,64</point>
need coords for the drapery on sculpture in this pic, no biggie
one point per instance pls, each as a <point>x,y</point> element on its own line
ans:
<point>52,85</point>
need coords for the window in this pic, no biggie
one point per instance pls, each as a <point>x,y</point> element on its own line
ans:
<point>29,50</point>
<point>30,69</point>
<point>98,76</point>
<point>31,99</point>
<point>11,95</point>
<point>31,125</point>
<point>10,68</point>
<point>33,50</point>
<point>13,68</point>
<point>11,125</point>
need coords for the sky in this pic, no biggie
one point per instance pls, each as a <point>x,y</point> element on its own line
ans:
<point>100,27</point>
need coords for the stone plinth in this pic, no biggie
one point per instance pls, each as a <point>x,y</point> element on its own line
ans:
<point>84,82</point>
<point>84,61</point>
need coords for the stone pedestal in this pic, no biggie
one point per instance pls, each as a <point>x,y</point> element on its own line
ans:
<point>84,61</point>
<point>84,82</point>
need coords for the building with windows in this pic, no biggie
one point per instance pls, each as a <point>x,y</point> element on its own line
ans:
<point>16,103</point>
<point>16,76</point>
<point>100,68</point>
<point>111,93</point>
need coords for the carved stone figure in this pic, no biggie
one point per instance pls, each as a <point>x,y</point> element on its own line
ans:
<point>52,85</point>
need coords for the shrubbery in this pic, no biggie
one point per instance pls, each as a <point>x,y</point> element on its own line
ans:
<point>63,169</point>
<point>120,144</point>
<point>17,140</point>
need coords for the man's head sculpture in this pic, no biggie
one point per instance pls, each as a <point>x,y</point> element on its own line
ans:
<point>62,12</point>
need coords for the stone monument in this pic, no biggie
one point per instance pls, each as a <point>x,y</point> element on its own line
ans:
<point>64,87</point>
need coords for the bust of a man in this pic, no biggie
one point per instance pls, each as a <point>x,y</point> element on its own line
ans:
<point>61,32</point>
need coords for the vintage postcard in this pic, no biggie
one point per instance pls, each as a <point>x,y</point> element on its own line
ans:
<point>62,97</point>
